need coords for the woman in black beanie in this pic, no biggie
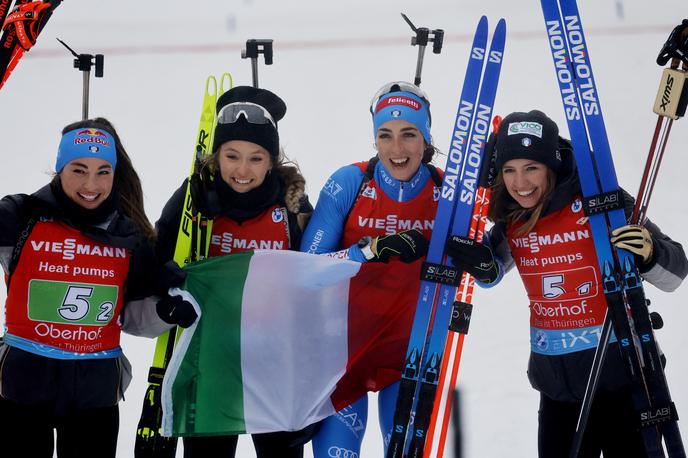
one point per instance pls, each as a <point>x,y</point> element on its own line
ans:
<point>541,228</point>
<point>255,200</point>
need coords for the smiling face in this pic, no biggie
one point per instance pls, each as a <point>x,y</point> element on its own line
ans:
<point>243,165</point>
<point>525,180</point>
<point>400,147</point>
<point>87,181</point>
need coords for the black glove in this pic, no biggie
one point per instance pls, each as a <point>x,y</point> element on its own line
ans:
<point>676,46</point>
<point>204,195</point>
<point>408,245</point>
<point>473,257</point>
<point>169,276</point>
<point>176,310</point>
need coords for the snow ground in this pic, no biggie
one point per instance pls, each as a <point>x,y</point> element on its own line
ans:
<point>329,60</point>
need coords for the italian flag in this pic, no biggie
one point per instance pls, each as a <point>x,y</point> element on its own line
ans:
<point>270,346</point>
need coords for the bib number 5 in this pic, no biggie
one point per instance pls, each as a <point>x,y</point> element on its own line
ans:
<point>75,306</point>
<point>551,288</point>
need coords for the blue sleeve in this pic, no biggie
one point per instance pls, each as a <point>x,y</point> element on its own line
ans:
<point>325,228</point>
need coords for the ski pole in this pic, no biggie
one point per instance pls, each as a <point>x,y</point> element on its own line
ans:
<point>422,38</point>
<point>253,49</point>
<point>84,62</point>
<point>20,28</point>
<point>670,104</point>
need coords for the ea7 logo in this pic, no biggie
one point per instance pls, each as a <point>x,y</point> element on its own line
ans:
<point>332,187</point>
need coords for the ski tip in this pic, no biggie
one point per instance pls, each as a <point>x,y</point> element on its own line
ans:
<point>210,86</point>
<point>499,35</point>
<point>482,22</point>
<point>226,77</point>
<point>501,27</point>
<point>481,29</point>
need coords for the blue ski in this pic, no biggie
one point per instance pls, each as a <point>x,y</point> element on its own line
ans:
<point>463,214</point>
<point>463,163</point>
<point>445,210</point>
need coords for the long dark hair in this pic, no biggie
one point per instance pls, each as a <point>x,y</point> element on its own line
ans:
<point>429,153</point>
<point>126,180</point>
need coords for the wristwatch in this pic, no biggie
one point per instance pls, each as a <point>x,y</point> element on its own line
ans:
<point>366,246</point>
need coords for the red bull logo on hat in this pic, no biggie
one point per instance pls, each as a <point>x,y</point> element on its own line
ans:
<point>83,143</point>
<point>91,136</point>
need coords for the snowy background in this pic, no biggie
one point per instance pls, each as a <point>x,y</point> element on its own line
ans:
<point>330,57</point>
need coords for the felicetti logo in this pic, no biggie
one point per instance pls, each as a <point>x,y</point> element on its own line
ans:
<point>398,100</point>
<point>91,136</point>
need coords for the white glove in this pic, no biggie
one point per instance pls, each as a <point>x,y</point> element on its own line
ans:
<point>635,239</point>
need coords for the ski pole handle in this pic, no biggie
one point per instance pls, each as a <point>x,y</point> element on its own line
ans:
<point>676,46</point>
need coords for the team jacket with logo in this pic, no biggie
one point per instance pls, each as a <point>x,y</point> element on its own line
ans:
<point>65,294</point>
<point>557,263</point>
<point>384,206</point>
<point>267,231</point>
<point>560,272</point>
<point>274,228</point>
<point>71,291</point>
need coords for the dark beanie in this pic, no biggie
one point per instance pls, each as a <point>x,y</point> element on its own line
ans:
<point>529,135</point>
<point>264,135</point>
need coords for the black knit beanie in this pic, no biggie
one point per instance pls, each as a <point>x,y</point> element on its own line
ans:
<point>529,135</point>
<point>264,135</point>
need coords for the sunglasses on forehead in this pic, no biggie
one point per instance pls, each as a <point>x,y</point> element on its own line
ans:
<point>252,112</point>
<point>398,86</point>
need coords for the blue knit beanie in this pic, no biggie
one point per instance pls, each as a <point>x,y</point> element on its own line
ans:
<point>86,142</point>
<point>404,106</point>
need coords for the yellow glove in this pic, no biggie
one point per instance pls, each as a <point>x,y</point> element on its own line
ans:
<point>635,239</point>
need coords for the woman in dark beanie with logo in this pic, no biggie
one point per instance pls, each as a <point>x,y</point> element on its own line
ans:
<point>255,201</point>
<point>540,228</point>
<point>79,262</point>
<point>379,212</point>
